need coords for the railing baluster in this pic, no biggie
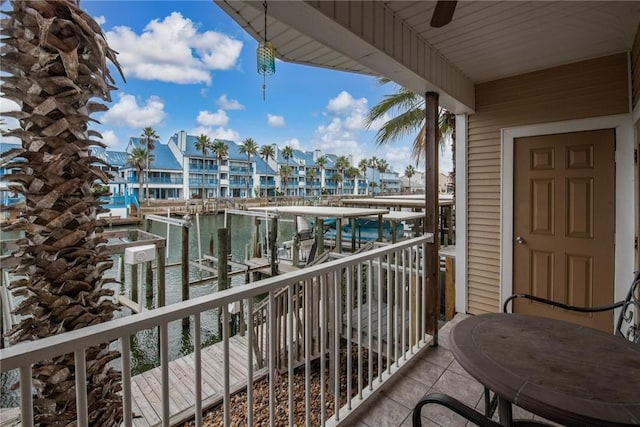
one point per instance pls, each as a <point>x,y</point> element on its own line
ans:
<point>197,355</point>
<point>349,305</point>
<point>323,345</point>
<point>164,363</point>
<point>337,328</point>
<point>396,303</point>
<point>370,320</point>
<point>423,290</point>
<point>290,339</point>
<point>390,322</point>
<point>225,361</point>
<point>26,396</point>
<point>380,261</point>
<point>412,301</point>
<point>250,350</point>
<point>272,360</point>
<point>308,312</point>
<point>404,303</point>
<point>125,352</point>
<point>360,373</point>
<point>81,388</point>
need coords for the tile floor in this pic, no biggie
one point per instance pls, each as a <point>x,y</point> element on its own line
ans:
<point>433,371</point>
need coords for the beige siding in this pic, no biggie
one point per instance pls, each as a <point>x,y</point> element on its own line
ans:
<point>635,67</point>
<point>587,89</point>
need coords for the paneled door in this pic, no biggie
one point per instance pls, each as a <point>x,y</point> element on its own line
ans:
<point>563,226</point>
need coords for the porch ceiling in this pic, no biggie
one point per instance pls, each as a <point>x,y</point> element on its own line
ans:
<point>487,40</point>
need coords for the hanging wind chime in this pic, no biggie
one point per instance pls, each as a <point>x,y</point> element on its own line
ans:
<point>266,57</point>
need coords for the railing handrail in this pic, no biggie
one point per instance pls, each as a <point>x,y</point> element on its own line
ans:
<point>26,353</point>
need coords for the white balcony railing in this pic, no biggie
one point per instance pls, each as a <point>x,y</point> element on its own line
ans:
<point>370,306</point>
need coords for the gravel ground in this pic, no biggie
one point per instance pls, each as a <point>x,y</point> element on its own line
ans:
<point>214,416</point>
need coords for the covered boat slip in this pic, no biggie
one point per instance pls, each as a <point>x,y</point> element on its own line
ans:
<point>321,212</point>
<point>446,204</point>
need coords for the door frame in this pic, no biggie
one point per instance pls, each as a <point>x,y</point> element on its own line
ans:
<point>624,198</point>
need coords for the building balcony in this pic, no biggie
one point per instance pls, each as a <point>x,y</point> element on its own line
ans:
<point>198,168</point>
<point>156,180</point>
<point>182,387</point>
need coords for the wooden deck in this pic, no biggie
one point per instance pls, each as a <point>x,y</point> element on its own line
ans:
<point>146,389</point>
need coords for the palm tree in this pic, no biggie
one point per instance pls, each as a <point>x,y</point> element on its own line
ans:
<point>321,162</point>
<point>221,150</point>
<point>409,110</point>
<point>203,144</point>
<point>312,174</point>
<point>382,166</point>
<point>267,152</point>
<point>363,165</point>
<point>61,258</point>
<point>352,173</point>
<point>342,163</point>
<point>287,153</point>
<point>285,173</point>
<point>250,148</point>
<point>337,177</point>
<point>148,138</point>
<point>137,158</point>
<point>409,171</point>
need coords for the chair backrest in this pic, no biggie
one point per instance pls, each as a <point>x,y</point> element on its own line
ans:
<point>628,325</point>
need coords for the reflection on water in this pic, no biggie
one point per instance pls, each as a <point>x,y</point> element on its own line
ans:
<point>144,344</point>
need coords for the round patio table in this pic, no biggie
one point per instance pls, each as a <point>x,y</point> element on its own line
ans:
<point>561,371</point>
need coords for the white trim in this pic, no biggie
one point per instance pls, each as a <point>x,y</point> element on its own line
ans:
<point>461,213</point>
<point>624,205</point>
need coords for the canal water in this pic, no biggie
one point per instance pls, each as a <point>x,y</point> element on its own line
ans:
<point>144,345</point>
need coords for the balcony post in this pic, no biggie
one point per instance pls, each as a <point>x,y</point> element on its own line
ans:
<point>431,263</point>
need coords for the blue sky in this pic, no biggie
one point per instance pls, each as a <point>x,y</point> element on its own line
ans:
<point>190,67</point>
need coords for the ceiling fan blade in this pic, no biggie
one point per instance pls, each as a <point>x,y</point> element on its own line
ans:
<point>443,13</point>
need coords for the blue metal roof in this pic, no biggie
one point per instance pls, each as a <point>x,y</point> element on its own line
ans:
<point>163,158</point>
<point>114,158</point>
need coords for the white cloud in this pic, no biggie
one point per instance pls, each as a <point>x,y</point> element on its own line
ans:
<point>173,50</point>
<point>127,112</point>
<point>354,111</point>
<point>275,121</point>
<point>228,104</point>
<point>219,118</point>
<point>101,20</point>
<point>220,133</point>
<point>293,143</point>
<point>110,139</point>
<point>335,138</point>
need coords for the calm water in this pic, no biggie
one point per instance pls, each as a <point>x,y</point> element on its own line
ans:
<point>144,345</point>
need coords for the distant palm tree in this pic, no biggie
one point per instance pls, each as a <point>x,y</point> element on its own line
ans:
<point>321,162</point>
<point>250,148</point>
<point>342,163</point>
<point>337,177</point>
<point>287,153</point>
<point>285,173</point>
<point>409,120</point>
<point>221,150</point>
<point>148,138</point>
<point>312,174</point>
<point>352,173</point>
<point>382,166</point>
<point>203,144</point>
<point>363,165</point>
<point>409,171</point>
<point>137,158</point>
<point>267,152</point>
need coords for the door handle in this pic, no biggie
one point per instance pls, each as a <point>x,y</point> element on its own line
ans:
<point>519,240</point>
